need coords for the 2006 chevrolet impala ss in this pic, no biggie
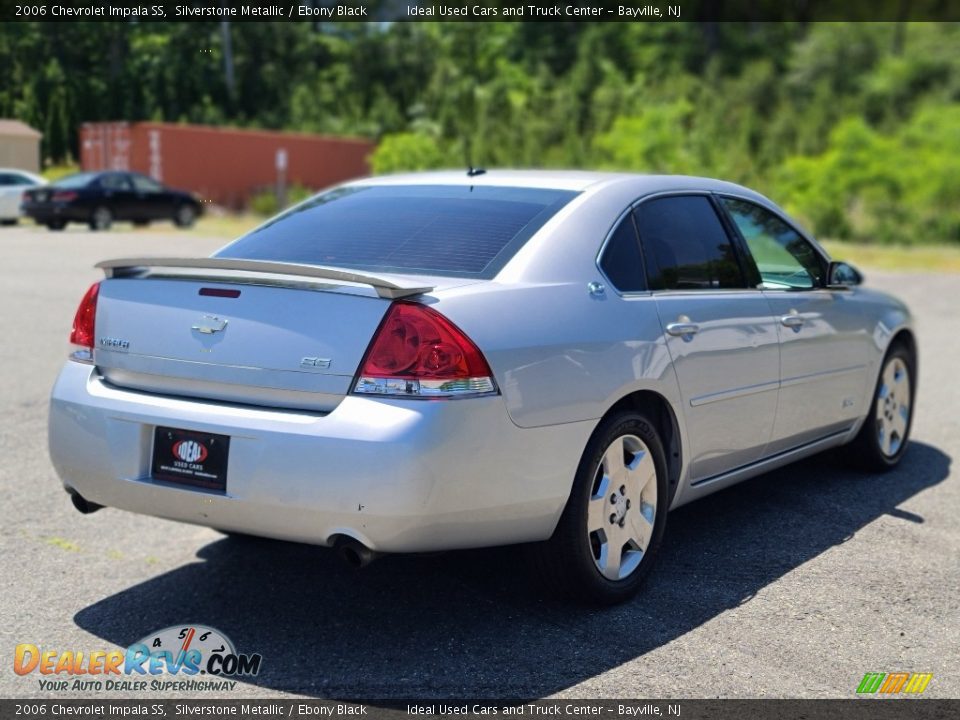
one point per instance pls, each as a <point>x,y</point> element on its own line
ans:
<point>456,360</point>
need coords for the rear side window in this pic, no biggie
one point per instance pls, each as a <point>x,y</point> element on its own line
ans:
<point>14,179</point>
<point>686,246</point>
<point>621,261</point>
<point>457,230</point>
<point>114,182</point>
<point>78,180</point>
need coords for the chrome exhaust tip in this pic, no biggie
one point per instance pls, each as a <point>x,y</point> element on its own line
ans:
<point>353,552</point>
<point>82,504</point>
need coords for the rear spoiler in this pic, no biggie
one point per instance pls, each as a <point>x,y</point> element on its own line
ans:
<point>136,267</point>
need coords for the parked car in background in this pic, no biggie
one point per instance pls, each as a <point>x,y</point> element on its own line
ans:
<point>13,182</point>
<point>450,360</point>
<point>100,198</point>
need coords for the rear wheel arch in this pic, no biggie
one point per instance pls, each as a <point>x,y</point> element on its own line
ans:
<point>661,412</point>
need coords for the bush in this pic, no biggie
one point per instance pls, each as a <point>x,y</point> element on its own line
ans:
<point>406,151</point>
<point>265,202</point>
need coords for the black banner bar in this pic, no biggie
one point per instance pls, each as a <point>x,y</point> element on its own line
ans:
<point>478,11</point>
<point>854,709</point>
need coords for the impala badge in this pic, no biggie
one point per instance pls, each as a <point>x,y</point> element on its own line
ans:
<point>210,324</point>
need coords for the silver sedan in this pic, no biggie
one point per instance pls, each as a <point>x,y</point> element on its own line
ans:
<point>455,360</point>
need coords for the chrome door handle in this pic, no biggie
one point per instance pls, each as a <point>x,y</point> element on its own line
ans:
<point>792,321</point>
<point>681,329</point>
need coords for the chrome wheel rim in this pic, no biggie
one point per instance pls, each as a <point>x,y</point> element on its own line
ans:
<point>622,508</point>
<point>893,407</point>
<point>185,216</point>
<point>101,218</point>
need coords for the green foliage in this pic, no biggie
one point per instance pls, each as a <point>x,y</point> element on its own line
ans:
<point>52,173</point>
<point>852,125</point>
<point>265,202</point>
<point>901,187</point>
<point>406,151</point>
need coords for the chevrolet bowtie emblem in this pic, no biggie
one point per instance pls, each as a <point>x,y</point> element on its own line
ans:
<point>210,324</point>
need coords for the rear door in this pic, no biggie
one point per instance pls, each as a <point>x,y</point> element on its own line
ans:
<point>116,193</point>
<point>721,335</point>
<point>12,186</point>
<point>824,353</point>
<point>152,200</point>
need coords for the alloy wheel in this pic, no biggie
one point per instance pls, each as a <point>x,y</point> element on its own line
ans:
<point>893,406</point>
<point>622,507</point>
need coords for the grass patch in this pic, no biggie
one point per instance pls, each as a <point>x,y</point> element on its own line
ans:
<point>229,226</point>
<point>53,173</point>
<point>930,258</point>
<point>62,544</point>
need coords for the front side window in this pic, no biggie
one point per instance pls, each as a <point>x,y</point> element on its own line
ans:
<point>621,261</point>
<point>458,230</point>
<point>685,245</point>
<point>142,183</point>
<point>785,259</point>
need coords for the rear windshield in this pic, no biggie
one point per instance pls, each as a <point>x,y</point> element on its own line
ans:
<point>78,180</point>
<point>462,231</point>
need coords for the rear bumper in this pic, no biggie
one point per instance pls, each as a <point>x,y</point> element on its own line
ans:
<point>46,212</point>
<point>399,476</point>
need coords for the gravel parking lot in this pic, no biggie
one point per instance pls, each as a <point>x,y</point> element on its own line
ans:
<point>793,584</point>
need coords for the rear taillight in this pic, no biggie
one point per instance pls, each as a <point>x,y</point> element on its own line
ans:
<point>84,323</point>
<point>418,353</point>
<point>65,196</point>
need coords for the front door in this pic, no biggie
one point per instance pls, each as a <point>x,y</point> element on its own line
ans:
<point>824,352</point>
<point>720,334</point>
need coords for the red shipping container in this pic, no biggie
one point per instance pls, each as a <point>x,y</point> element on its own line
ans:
<point>226,166</point>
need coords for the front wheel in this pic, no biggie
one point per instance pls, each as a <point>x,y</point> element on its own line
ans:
<point>101,219</point>
<point>612,526</point>
<point>883,439</point>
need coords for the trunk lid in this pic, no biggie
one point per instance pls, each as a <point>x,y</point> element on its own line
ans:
<point>274,345</point>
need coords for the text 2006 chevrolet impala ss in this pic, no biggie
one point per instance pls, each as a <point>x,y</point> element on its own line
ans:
<point>449,360</point>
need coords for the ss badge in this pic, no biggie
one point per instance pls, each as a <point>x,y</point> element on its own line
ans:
<point>315,362</point>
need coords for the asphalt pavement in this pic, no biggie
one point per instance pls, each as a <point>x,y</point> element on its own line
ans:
<point>793,584</point>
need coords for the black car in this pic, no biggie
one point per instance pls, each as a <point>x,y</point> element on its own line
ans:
<point>99,198</point>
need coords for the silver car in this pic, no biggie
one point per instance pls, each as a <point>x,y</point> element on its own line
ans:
<point>456,360</point>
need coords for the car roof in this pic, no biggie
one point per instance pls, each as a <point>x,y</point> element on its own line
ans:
<point>575,180</point>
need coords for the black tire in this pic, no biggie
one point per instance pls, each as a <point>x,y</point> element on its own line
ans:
<point>56,225</point>
<point>185,216</point>
<point>569,561</point>
<point>867,451</point>
<point>101,218</point>
<point>141,223</point>
<point>9,222</point>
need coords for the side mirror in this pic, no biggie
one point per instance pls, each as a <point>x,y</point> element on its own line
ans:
<point>841,275</point>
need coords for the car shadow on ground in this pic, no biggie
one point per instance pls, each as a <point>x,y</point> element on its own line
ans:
<point>476,623</point>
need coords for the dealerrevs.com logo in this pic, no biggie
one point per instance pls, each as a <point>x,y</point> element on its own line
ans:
<point>182,657</point>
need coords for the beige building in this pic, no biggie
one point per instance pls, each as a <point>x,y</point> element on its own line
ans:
<point>19,146</point>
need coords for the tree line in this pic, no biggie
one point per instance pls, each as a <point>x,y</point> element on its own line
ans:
<point>854,126</point>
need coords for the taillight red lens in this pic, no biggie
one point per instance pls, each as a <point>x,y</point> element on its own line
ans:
<point>65,196</point>
<point>85,319</point>
<point>418,352</point>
